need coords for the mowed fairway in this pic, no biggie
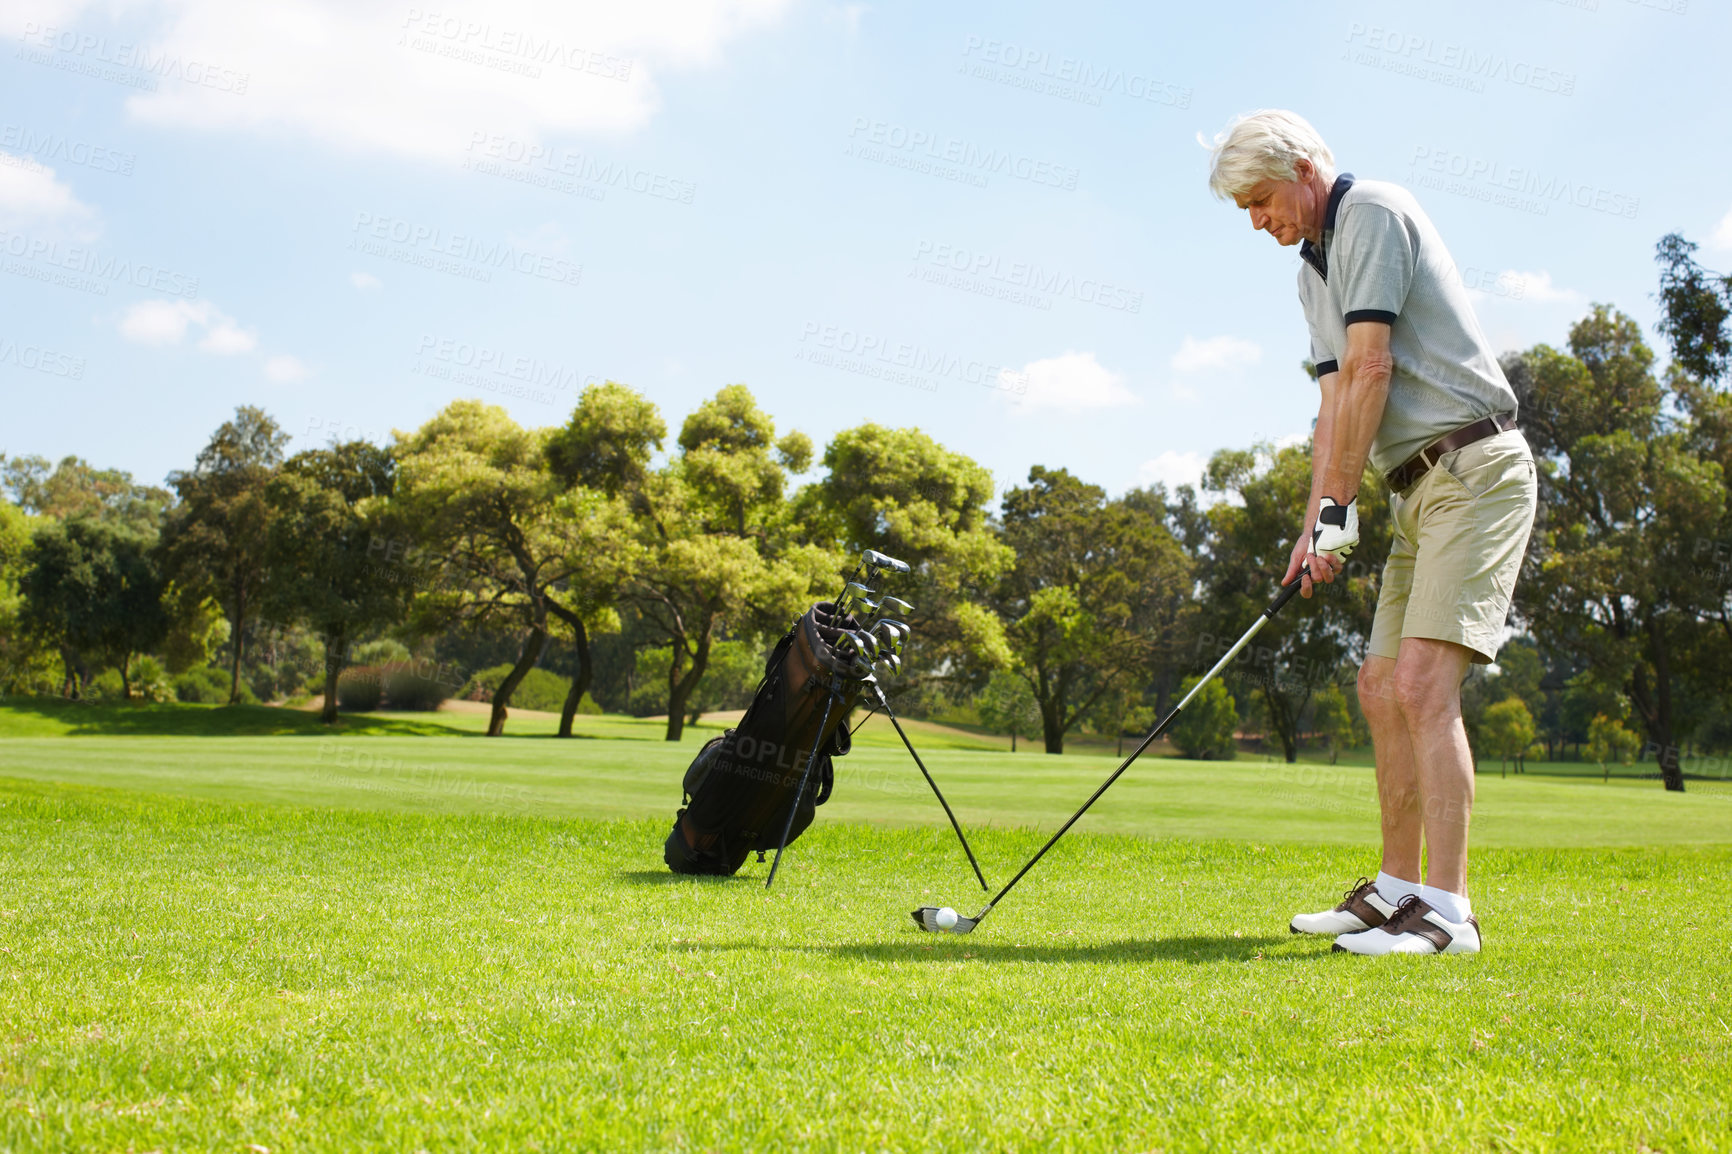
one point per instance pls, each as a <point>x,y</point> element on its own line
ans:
<point>211,943</point>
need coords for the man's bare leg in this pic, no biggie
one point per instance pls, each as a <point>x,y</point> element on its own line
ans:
<point>1398,783</point>
<point>1427,684</point>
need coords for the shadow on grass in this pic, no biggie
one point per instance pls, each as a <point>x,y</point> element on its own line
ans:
<point>50,716</point>
<point>1125,951</point>
<point>668,878</point>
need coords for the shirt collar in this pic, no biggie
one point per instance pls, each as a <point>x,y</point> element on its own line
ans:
<point>1317,255</point>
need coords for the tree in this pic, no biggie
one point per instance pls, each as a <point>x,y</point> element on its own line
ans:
<point>1245,554</point>
<point>900,492</point>
<point>74,488</point>
<point>1007,706</point>
<point>1508,730</point>
<point>1609,741</point>
<point>1625,496</point>
<point>1333,721</point>
<point>604,448</point>
<point>1092,598</point>
<point>25,661</point>
<point>215,540</point>
<point>1205,728</point>
<point>94,592</point>
<point>328,507</point>
<point>476,490</point>
<point>724,556</point>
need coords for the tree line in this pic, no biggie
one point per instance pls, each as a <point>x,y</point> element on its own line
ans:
<point>602,561</point>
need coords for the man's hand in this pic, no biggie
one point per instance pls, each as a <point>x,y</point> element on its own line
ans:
<point>1337,529</point>
<point>1314,566</point>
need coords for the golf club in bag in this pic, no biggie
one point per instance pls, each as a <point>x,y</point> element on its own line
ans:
<point>758,786</point>
<point>926,917</point>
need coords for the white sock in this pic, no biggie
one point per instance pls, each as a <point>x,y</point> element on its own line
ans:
<point>1392,889</point>
<point>1452,906</point>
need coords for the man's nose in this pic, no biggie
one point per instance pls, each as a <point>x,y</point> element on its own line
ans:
<point>1259,220</point>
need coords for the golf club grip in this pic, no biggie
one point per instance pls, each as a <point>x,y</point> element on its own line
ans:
<point>1288,592</point>
<point>1263,619</point>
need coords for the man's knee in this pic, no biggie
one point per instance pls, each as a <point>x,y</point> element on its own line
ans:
<point>1377,691</point>
<point>1424,690</point>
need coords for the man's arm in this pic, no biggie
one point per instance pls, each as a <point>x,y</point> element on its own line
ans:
<point>1360,395</point>
<point>1322,437</point>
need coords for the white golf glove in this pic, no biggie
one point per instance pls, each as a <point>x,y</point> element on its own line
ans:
<point>1337,528</point>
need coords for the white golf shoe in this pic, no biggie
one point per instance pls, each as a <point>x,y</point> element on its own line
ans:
<point>1416,928</point>
<point>1361,908</point>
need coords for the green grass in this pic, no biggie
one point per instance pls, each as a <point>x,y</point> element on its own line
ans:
<point>188,975</point>
<point>223,928</point>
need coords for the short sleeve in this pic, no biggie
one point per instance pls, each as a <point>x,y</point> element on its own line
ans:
<point>1373,259</point>
<point>1322,356</point>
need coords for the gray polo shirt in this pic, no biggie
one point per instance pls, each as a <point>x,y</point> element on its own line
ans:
<point>1381,260</point>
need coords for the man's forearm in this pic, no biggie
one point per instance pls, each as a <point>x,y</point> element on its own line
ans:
<point>1322,440</point>
<point>1359,399</point>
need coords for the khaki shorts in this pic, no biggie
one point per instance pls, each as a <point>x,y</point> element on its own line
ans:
<point>1460,534</point>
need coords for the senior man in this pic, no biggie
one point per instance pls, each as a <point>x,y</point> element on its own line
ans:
<point>1409,381</point>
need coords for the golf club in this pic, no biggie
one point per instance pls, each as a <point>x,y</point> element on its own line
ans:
<point>926,917</point>
<point>874,560</point>
<point>893,661</point>
<point>884,704</point>
<point>895,607</point>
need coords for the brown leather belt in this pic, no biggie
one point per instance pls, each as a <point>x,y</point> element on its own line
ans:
<point>1402,477</point>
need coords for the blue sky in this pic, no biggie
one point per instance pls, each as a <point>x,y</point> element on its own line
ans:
<point>989,221</point>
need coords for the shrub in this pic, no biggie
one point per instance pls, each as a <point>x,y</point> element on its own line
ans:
<point>410,685</point>
<point>541,689</point>
<point>208,685</point>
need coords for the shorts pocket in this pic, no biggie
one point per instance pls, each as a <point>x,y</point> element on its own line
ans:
<point>1482,466</point>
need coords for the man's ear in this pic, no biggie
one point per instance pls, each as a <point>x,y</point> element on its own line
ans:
<point>1303,170</point>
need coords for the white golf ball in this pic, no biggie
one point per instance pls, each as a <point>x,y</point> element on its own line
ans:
<point>946,918</point>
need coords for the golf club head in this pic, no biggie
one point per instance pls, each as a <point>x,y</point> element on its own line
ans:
<point>893,661</point>
<point>895,607</point>
<point>890,633</point>
<point>867,643</point>
<point>926,917</point>
<point>872,559</point>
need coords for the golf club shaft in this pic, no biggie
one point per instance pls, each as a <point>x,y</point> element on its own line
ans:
<point>1263,619</point>
<point>954,824</point>
<point>794,806</point>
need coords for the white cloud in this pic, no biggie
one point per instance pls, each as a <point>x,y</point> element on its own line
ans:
<point>420,80</point>
<point>163,322</point>
<point>1173,469</point>
<point>1215,354</point>
<point>365,281</point>
<point>226,338</point>
<point>1515,285</point>
<point>1071,381</point>
<point>30,197</point>
<point>1722,235</point>
<point>285,369</point>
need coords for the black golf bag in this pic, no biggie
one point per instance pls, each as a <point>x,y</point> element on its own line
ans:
<point>741,786</point>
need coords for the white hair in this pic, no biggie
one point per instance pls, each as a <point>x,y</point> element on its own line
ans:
<point>1265,145</point>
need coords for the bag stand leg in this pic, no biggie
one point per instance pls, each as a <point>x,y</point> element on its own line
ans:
<point>800,793</point>
<point>884,704</point>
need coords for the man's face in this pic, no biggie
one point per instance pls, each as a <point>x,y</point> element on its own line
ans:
<point>1288,210</point>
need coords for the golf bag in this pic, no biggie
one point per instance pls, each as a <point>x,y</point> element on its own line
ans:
<point>741,786</point>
